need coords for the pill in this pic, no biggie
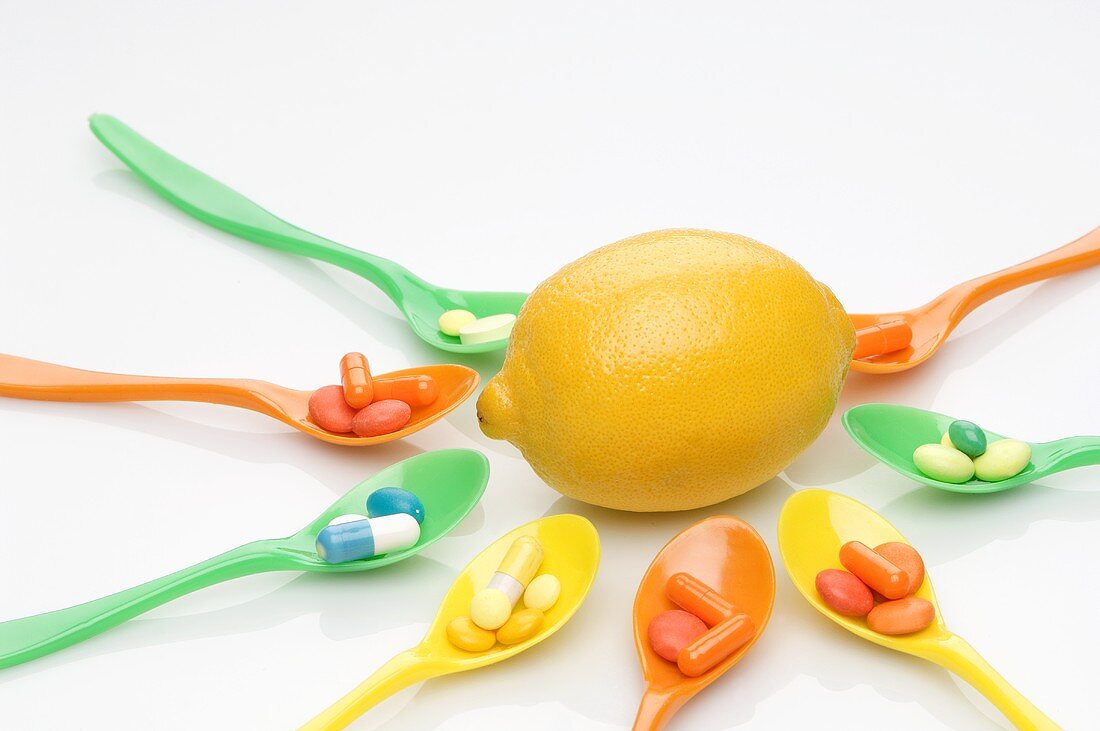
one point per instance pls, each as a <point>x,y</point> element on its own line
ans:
<point>967,437</point>
<point>490,608</point>
<point>945,440</point>
<point>945,464</point>
<point>694,596</point>
<point>902,616</point>
<point>381,417</point>
<point>368,537</point>
<point>487,329</point>
<point>393,500</point>
<point>348,518</point>
<point>885,337</point>
<point>1003,458</point>
<point>906,558</point>
<point>520,627</point>
<point>844,593</point>
<point>874,570</point>
<point>671,631</point>
<point>355,375</point>
<point>329,410</point>
<point>716,645</point>
<point>542,593</point>
<point>465,635</point>
<point>451,321</point>
<point>413,390</point>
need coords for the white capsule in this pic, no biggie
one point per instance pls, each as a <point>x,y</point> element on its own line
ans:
<point>367,537</point>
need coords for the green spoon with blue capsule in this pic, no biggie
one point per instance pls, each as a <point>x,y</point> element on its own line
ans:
<point>891,433</point>
<point>200,196</point>
<point>448,482</point>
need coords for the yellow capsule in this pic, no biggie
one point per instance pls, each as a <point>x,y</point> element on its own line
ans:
<point>465,635</point>
<point>517,568</point>
<point>520,627</point>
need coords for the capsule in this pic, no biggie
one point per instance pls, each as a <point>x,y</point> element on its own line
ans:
<point>355,375</point>
<point>365,538</point>
<point>885,337</point>
<point>692,595</point>
<point>874,570</point>
<point>716,645</point>
<point>491,607</point>
<point>413,390</point>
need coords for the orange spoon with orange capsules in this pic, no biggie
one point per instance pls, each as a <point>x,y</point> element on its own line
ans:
<point>31,379</point>
<point>897,341</point>
<point>721,570</point>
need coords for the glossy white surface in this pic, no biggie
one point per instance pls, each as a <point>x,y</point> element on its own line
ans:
<point>892,150</point>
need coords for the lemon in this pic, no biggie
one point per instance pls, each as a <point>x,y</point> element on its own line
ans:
<point>669,371</point>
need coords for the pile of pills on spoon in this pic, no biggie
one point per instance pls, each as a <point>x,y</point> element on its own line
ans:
<point>965,452</point>
<point>891,573</point>
<point>392,523</point>
<point>369,407</point>
<point>472,330</point>
<point>493,617</point>
<point>703,632</point>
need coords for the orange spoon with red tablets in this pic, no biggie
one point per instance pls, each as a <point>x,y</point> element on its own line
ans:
<point>814,525</point>
<point>720,571</point>
<point>897,341</point>
<point>31,379</point>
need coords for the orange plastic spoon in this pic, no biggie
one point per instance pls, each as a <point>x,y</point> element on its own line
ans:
<point>933,322</point>
<point>728,555</point>
<point>31,379</point>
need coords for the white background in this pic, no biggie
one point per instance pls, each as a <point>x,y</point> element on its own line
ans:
<point>892,149</point>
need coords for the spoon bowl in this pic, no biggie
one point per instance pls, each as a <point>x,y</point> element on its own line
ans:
<point>448,482</point>
<point>726,554</point>
<point>814,524</point>
<point>213,203</point>
<point>891,432</point>
<point>31,379</point>
<point>933,322</point>
<point>572,553</point>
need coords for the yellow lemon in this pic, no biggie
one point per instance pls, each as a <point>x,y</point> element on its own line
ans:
<point>669,371</point>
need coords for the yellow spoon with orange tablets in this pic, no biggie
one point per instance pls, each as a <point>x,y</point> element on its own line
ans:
<point>814,524</point>
<point>571,553</point>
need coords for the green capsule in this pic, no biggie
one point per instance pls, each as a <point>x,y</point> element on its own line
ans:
<point>967,437</point>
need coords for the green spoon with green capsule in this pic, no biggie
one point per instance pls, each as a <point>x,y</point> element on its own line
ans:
<point>448,482</point>
<point>198,195</point>
<point>890,433</point>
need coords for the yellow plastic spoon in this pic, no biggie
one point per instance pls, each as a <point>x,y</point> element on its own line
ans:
<point>814,524</point>
<point>572,553</point>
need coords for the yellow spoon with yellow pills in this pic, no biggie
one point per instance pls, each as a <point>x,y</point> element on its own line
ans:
<point>571,552</point>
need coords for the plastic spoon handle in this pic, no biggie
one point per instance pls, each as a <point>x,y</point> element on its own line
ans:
<point>655,710</point>
<point>401,671</point>
<point>200,196</point>
<point>32,637</point>
<point>32,379</point>
<point>1080,254</point>
<point>1073,452</point>
<point>959,657</point>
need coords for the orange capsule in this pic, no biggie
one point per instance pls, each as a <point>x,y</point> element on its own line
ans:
<point>902,616</point>
<point>885,337</point>
<point>355,375</point>
<point>716,645</point>
<point>692,595</point>
<point>413,390</point>
<point>874,570</point>
<point>906,558</point>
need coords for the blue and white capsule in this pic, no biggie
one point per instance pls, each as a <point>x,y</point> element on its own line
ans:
<point>368,537</point>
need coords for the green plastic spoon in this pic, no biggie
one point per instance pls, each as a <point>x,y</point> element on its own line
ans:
<point>890,433</point>
<point>449,482</point>
<point>204,198</point>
